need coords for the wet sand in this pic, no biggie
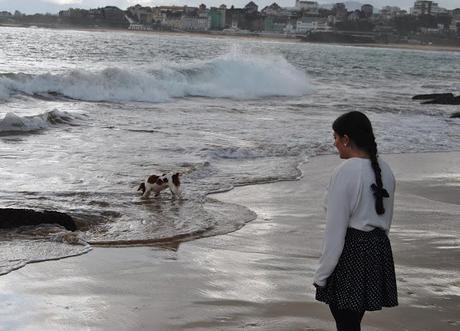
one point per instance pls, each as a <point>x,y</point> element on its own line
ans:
<point>259,277</point>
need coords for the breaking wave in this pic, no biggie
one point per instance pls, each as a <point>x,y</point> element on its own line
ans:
<point>232,76</point>
<point>13,123</point>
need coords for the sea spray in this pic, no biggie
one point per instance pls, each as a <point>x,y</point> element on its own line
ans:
<point>235,76</point>
<point>249,77</point>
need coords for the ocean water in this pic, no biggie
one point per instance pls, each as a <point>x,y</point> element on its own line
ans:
<point>86,116</point>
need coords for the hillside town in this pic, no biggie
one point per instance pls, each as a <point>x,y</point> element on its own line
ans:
<point>425,23</point>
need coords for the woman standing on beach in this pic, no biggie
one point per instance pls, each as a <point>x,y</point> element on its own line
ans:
<point>356,269</point>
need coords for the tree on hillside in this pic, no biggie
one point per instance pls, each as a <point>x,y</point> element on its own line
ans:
<point>405,24</point>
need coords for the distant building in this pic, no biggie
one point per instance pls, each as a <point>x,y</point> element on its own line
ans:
<point>234,18</point>
<point>197,23</point>
<point>388,12</point>
<point>251,8</point>
<point>454,26</point>
<point>141,14</point>
<point>173,20</point>
<point>217,18</point>
<point>340,12</point>
<point>455,22</point>
<point>308,6</point>
<point>139,27</point>
<point>422,7</point>
<point>438,30</point>
<point>439,11</point>
<point>275,23</point>
<point>74,13</point>
<point>273,10</point>
<point>113,14</point>
<point>355,16</point>
<point>289,28</point>
<point>367,10</point>
<point>308,24</point>
<point>96,13</point>
<point>305,24</point>
<point>5,14</point>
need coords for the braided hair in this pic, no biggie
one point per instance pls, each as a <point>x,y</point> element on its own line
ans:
<point>358,128</point>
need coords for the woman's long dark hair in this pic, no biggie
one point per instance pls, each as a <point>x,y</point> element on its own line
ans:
<point>358,128</point>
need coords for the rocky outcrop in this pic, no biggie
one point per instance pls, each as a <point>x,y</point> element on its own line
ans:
<point>455,115</point>
<point>12,218</point>
<point>438,98</point>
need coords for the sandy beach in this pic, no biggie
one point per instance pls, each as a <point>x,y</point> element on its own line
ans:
<point>259,277</point>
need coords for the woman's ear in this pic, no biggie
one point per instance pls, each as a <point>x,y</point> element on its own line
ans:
<point>346,140</point>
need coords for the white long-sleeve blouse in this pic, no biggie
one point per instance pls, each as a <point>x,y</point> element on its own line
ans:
<point>349,202</point>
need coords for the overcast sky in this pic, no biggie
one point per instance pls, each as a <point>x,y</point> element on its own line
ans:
<point>53,6</point>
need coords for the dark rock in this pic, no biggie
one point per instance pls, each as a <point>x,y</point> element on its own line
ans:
<point>12,218</point>
<point>438,98</point>
<point>455,115</point>
<point>432,96</point>
<point>444,101</point>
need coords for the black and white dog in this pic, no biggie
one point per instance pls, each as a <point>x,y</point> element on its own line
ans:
<point>156,184</point>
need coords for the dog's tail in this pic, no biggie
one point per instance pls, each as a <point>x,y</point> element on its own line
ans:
<point>175,179</point>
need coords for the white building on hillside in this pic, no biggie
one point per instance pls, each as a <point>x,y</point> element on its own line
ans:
<point>423,7</point>
<point>389,12</point>
<point>309,6</point>
<point>455,23</point>
<point>308,24</point>
<point>198,23</point>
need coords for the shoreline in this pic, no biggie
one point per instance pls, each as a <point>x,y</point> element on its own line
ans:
<point>268,37</point>
<point>434,48</point>
<point>259,276</point>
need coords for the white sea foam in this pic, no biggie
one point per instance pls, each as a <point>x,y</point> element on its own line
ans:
<point>4,91</point>
<point>235,76</point>
<point>14,123</point>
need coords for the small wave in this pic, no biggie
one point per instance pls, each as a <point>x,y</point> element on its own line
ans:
<point>13,123</point>
<point>260,151</point>
<point>236,76</point>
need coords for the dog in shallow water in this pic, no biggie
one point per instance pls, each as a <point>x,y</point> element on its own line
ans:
<point>156,184</point>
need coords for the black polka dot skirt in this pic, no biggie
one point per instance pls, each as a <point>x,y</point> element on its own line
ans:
<point>364,278</point>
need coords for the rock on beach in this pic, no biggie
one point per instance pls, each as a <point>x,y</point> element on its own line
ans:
<point>13,218</point>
